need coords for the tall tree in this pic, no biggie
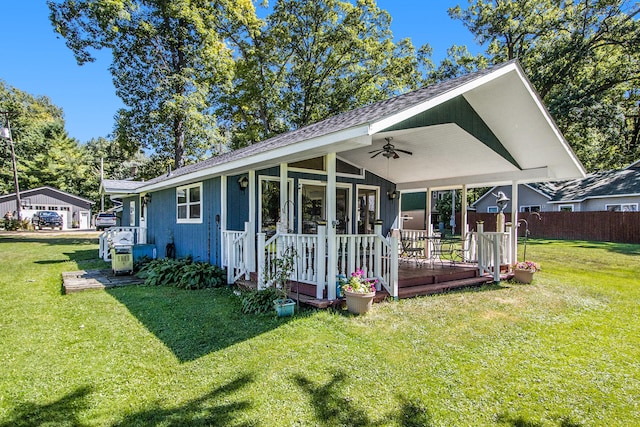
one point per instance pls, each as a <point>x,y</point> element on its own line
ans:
<point>583,57</point>
<point>311,60</point>
<point>168,61</point>
<point>31,116</point>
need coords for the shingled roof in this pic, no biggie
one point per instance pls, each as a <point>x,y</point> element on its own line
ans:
<point>623,182</point>
<point>361,116</point>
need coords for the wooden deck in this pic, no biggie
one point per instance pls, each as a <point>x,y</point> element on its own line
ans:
<point>76,281</point>
<point>413,281</point>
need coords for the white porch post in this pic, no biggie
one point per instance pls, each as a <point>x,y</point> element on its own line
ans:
<point>427,212</point>
<point>514,222</point>
<point>261,260</point>
<point>224,256</point>
<point>429,225</point>
<point>332,250</point>
<point>284,193</point>
<point>251,232</point>
<point>320,260</point>
<point>464,227</point>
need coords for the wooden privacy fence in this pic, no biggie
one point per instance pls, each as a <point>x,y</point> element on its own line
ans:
<point>619,227</point>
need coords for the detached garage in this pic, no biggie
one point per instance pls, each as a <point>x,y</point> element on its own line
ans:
<point>75,211</point>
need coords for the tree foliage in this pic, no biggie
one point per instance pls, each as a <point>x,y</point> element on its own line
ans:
<point>583,57</point>
<point>309,61</point>
<point>168,62</point>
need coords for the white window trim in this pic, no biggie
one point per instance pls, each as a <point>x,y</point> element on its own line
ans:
<point>189,220</point>
<point>570,205</point>
<point>368,187</point>
<point>492,209</point>
<point>622,205</point>
<point>361,175</point>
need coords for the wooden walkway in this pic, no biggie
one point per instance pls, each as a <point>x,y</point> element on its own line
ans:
<point>82,280</point>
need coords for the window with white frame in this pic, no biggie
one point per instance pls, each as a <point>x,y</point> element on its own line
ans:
<point>492,209</point>
<point>565,208</point>
<point>189,204</point>
<point>532,208</point>
<point>622,207</point>
<point>132,213</point>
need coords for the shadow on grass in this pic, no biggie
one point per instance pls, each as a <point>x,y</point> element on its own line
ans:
<point>202,411</point>
<point>50,240</point>
<point>520,421</point>
<point>332,407</point>
<point>62,412</point>
<point>193,323</point>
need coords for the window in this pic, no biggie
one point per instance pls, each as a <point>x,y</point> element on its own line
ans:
<point>566,208</point>
<point>623,207</point>
<point>269,205</point>
<point>534,208</point>
<point>189,204</point>
<point>132,213</point>
<point>492,209</point>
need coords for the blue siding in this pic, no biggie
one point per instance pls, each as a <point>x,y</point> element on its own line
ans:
<point>237,204</point>
<point>200,241</point>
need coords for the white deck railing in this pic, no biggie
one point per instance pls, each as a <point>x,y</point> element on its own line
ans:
<point>106,239</point>
<point>237,252</point>
<point>371,253</point>
<point>493,251</point>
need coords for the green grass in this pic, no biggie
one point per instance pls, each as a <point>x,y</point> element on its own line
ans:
<point>563,351</point>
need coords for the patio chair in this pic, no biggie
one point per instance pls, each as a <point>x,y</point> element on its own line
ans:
<point>462,254</point>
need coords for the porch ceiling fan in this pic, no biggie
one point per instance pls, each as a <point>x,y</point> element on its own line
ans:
<point>389,150</point>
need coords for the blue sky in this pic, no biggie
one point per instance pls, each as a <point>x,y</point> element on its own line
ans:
<point>36,61</point>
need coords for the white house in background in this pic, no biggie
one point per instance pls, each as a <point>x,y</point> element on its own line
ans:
<point>235,210</point>
<point>617,190</point>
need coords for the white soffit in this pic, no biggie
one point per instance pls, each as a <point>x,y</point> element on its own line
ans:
<point>518,119</point>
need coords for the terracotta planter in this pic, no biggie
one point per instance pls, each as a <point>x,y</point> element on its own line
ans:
<point>358,303</point>
<point>523,276</point>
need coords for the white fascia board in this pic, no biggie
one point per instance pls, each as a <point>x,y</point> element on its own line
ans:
<point>485,180</point>
<point>344,140</point>
<point>382,124</point>
<point>552,124</point>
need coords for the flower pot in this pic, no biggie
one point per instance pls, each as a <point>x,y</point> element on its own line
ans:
<point>523,276</point>
<point>359,303</point>
<point>284,307</point>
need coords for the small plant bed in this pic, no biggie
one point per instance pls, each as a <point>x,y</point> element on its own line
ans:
<point>181,273</point>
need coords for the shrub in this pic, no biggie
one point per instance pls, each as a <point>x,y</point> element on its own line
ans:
<point>259,302</point>
<point>182,273</point>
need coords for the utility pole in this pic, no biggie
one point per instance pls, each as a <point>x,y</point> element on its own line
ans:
<point>5,133</point>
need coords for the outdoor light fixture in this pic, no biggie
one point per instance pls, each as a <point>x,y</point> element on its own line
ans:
<point>243,182</point>
<point>146,199</point>
<point>393,194</point>
<point>501,200</point>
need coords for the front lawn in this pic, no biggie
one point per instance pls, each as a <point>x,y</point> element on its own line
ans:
<point>563,351</point>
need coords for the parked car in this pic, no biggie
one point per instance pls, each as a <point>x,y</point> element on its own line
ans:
<point>105,220</point>
<point>46,219</point>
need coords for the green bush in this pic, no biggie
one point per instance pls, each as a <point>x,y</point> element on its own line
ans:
<point>259,302</point>
<point>182,273</point>
<point>16,224</point>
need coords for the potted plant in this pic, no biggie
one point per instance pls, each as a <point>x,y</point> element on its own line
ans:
<point>523,271</point>
<point>359,292</point>
<point>278,275</point>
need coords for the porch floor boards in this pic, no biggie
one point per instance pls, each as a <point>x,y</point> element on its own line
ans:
<point>413,280</point>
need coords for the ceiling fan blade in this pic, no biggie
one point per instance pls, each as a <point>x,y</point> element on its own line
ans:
<point>377,154</point>
<point>373,151</point>
<point>405,151</point>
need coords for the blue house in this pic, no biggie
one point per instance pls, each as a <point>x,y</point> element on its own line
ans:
<point>331,189</point>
